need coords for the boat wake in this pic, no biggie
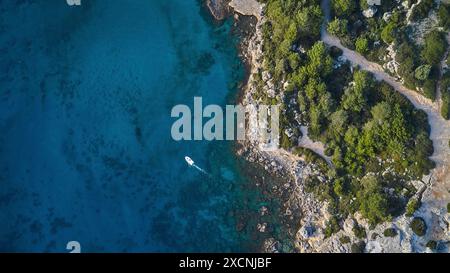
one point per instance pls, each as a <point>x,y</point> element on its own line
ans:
<point>191,163</point>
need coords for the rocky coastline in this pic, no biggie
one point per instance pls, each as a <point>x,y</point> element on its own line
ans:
<point>296,202</point>
<point>219,9</point>
<point>308,235</point>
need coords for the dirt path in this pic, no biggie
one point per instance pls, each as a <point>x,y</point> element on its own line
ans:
<point>440,128</point>
<point>317,147</point>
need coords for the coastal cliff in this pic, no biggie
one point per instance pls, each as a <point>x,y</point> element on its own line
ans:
<point>393,235</point>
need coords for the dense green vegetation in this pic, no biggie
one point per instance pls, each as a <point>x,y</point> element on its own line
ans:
<point>422,10</point>
<point>444,15</point>
<point>445,93</point>
<point>418,64</point>
<point>376,139</point>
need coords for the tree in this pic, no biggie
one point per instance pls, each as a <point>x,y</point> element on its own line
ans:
<point>320,62</point>
<point>445,110</point>
<point>338,187</point>
<point>422,72</point>
<point>339,121</point>
<point>359,231</point>
<point>418,226</point>
<point>344,7</point>
<point>363,4</point>
<point>381,113</point>
<point>422,9</point>
<point>373,202</point>
<point>309,20</point>
<point>434,48</point>
<point>388,33</point>
<point>338,27</point>
<point>429,89</point>
<point>406,58</point>
<point>362,45</point>
<point>354,98</point>
<point>412,206</point>
<point>444,15</point>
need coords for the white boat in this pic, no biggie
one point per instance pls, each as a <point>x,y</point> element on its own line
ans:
<point>189,160</point>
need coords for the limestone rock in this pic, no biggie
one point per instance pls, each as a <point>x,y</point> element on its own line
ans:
<point>387,16</point>
<point>370,12</point>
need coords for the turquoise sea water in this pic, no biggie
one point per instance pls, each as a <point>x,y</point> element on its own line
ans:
<point>85,148</point>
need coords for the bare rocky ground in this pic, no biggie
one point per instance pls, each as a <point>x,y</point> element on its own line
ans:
<point>218,8</point>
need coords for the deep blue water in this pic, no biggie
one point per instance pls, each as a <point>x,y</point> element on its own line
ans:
<point>85,146</point>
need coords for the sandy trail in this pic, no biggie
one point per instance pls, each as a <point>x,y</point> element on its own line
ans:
<point>440,128</point>
<point>316,147</point>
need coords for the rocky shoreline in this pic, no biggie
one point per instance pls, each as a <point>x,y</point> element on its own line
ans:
<point>308,235</point>
<point>292,169</point>
<point>219,9</point>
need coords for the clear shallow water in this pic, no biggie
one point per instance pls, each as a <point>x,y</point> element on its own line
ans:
<point>85,146</point>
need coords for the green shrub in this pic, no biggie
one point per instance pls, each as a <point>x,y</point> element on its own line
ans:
<point>448,205</point>
<point>422,72</point>
<point>445,110</point>
<point>362,45</point>
<point>445,85</point>
<point>418,226</point>
<point>412,206</point>
<point>344,240</point>
<point>332,227</point>
<point>337,27</point>
<point>388,33</point>
<point>311,157</point>
<point>359,231</point>
<point>429,89</point>
<point>286,142</point>
<point>432,245</point>
<point>373,201</point>
<point>363,4</point>
<point>390,232</point>
<point>358,247</point>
